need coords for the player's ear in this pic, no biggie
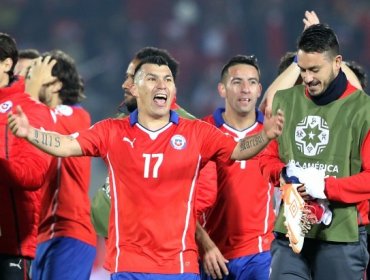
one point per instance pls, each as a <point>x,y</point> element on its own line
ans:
<point>338,61</point>
<point>8,63</point>
<point>221,90</point>
<point>260,90</point>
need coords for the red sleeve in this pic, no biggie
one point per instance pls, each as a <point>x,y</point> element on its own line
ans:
<point>206,188</point>
<point>27,170</point>
<point>355,188</point>
<point>93,140</point>
<point>270,163</point>
<point>26,166</point>
<point>216,145</point>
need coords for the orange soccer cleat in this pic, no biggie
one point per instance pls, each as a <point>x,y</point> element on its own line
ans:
<point>299,216</point>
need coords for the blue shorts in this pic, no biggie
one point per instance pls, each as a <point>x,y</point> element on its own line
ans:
<point>251,267</point>
<point>153,276</point>
<point>63,258</point>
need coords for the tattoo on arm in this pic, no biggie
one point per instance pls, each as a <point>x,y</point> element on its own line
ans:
<point>57,142</point>
<point>46,139</point>
<point>36,136</point>
<point>250,142</point>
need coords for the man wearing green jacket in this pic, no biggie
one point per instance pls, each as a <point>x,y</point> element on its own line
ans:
<point>327,129</point>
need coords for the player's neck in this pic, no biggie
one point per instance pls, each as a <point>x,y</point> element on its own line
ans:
<point>239,121</point>
<point>153,123</point>
<point>5,81</point>
<point>55,100</point>
<point>34,95</point>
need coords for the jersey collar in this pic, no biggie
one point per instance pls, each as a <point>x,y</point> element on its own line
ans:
<point>134,117</point>
<point>219,120</point>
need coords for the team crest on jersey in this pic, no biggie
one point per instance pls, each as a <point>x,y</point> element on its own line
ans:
<point>312,135</point>
<point>6,106</point>
<point>178,142</point>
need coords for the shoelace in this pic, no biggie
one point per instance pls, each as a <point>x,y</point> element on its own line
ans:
<point>308,218</point>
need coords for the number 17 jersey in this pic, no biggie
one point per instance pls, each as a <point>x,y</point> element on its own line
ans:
<point>153,177</point>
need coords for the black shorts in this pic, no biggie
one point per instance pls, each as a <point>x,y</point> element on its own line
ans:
<point>320,260</point>
<point>14,268</point>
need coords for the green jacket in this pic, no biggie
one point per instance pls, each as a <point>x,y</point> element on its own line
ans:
<point>327,137</point>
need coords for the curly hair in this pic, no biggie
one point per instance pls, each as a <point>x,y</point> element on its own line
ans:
<point>65,70</point>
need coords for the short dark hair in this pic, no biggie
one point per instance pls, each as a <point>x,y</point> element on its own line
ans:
<point>319,38</point>
<point>72,91</point>
<point>172,63</point>
<point>8,49</point>
<point>157,59</point>
<point>240,59</point>
<point>285,61</point>
<point>29,54</point>
<point>359,72</point>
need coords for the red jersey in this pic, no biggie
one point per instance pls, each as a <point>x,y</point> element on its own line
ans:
<point>152,181</point>
<point>65,201</point>
<point>23,169</point>
<point>241,220</point>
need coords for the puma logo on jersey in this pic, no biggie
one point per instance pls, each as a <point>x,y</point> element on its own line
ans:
<point>129,141</point>
<point>18,265</point>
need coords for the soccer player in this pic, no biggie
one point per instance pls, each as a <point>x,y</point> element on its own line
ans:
<point>66,236</point>
<point>153,158</point>
<point>101,205</point>
<point>241,220</point>
<point>289,72</point>
<point>22,171</point>
<point>328,128</point>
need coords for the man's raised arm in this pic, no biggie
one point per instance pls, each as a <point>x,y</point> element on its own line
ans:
<point>50,142</point>
<point>250,146</point>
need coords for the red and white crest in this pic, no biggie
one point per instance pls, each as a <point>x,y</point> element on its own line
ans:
<point>178,142</point>
<point>6,106</point>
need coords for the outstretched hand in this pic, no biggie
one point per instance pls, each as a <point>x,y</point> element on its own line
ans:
<point>310,19</point>
<point>18,123</point>
<point>273,124</point>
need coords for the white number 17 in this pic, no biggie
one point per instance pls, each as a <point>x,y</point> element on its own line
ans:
<point>148,158</point>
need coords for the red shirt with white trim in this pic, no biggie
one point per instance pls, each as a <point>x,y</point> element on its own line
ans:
<point>240,221</point>
<point>65,204</point>
<point>153,179</point>
<point>23,169</point>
